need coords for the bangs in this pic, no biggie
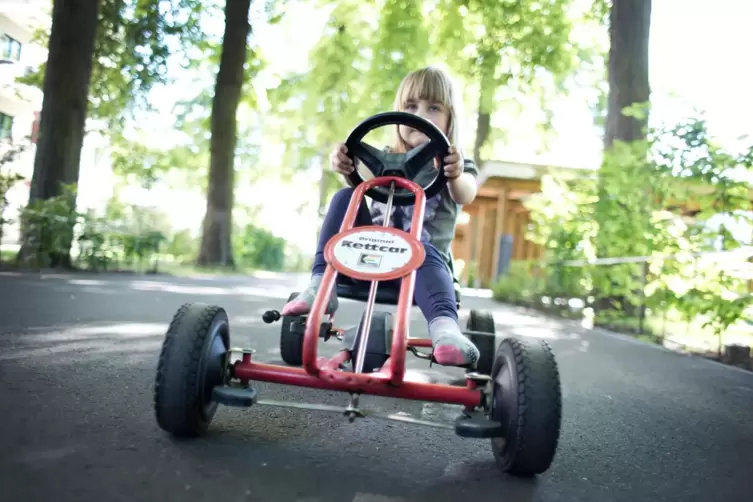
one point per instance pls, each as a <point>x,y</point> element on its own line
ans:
<point>428,84</point>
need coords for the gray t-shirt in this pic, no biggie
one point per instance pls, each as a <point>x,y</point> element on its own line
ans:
<point>440,214</point>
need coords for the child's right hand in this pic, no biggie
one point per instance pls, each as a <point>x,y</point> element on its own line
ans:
<point>339,161</point>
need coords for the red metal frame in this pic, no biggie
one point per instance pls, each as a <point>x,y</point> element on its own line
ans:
<point>390,381</point>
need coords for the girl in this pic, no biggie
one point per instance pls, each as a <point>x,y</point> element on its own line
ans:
<point>427,92</point>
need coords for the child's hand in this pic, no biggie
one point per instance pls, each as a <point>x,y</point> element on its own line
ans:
<point>453,164</point>
<point>339,161</point>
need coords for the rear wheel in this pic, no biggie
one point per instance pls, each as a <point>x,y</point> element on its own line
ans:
<point>481,331</point>
<point>379,343</point>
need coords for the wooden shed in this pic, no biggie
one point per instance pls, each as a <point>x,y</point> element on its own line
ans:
<point>491,231</point>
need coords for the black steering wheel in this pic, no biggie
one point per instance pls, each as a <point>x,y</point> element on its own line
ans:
<point>404,165</point>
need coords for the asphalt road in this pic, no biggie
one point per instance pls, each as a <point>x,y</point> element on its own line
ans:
<point>77,363</point>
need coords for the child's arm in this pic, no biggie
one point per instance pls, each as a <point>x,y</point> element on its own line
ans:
<point>463,188</point>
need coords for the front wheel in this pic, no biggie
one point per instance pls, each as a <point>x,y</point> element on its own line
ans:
<point>192,362</point>
<point>379,342</point>
<point>527,401</point>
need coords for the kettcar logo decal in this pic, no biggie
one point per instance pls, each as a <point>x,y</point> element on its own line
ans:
<point>370,260</point>
<point>371,246</point>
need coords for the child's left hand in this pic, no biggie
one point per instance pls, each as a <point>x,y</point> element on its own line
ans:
<point>453,164</point>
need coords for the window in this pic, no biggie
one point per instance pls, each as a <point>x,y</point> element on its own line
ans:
<point>6,126</point>
<point>10,48</point>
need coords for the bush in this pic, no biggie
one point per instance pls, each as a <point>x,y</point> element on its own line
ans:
<point>520,285</point>
<point>258,248</point>
<point>651,198</point>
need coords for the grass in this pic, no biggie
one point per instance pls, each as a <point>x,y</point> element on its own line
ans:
<point>691,334</point>
<point>667,329</point>
<point>165,265</point>
<point>694,336</point>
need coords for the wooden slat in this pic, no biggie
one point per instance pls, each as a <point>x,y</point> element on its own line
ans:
<point>498,231</point>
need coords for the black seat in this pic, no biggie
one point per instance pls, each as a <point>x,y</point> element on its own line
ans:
<point>348,288</point>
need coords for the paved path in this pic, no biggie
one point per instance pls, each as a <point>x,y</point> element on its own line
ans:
<point>77,361</point>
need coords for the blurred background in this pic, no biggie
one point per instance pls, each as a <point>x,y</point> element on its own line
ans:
<point>191,136</point>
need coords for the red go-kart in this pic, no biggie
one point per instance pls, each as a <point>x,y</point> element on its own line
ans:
<point>511,396</point>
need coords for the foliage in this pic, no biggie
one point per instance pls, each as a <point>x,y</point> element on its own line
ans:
<point>135,39</point>
<point>101,247</point>
<point>400,45</point>
<point>659,199</point>
<point>518,285</point>
<point>502,49</point>
<point>132,236</point>
<point>48,223</point>
<point>182,245</point>
<point>512,40</point>
<point>134,161</point>
<point>318,107</point>
<point>8,179</point>
<point>368,47</point>
<point>258,248</point>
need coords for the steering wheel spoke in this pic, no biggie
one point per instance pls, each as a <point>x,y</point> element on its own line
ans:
<point>417,158</point>
<point>369,155</point>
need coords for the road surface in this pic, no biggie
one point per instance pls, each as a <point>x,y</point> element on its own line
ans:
<point>77,363</point>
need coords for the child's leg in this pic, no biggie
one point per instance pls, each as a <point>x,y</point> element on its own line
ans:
<point>435,296</point>
<point>332,221</point>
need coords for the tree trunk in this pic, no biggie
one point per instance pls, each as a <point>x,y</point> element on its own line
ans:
<point>487,89</point>
<point>217,228</point>
<point>483,122</point>
<point>629,29</point>
<point>64,108</point>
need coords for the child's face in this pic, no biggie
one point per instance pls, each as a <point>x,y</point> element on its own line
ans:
<point>434,112</point>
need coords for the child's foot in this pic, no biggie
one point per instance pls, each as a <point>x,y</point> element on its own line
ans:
<point>451,347</point>
<point>301,304</point>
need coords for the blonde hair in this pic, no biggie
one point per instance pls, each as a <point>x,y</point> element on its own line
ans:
<point>431,84</point>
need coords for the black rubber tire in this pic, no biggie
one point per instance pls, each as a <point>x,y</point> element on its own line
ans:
<point>527,400</point>
<point>479,320</point>
<point>291,341</point>
<point>482,333</point>
<point>192,362</point>
<point>380,341</point>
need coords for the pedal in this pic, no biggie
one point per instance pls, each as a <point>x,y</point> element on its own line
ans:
<point>477,377</point>
<point>467,367</point>
<point>238,397</point>
<point>476,425</point>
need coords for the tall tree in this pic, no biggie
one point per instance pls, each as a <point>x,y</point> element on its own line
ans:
<point>624,135</point>
<point>217,226</point>
<point>103,58</point>
<point>502,43</point>
<point>629,30</point>
<point>64,107</point>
